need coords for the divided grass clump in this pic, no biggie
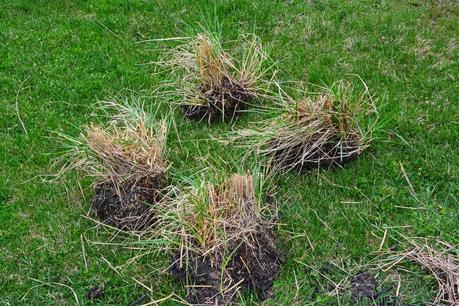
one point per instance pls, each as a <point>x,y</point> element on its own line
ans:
<point>329,128</point>
<point>225,240</point>
<point>212,84</point>
<point>126,159</point>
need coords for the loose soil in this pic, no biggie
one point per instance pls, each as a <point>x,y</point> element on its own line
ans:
<point>222,103</point>
<point>328,155</point>
<point>253,267</point>
<point>128,208</point>
<point>364,285</point>
<point>95,293</point>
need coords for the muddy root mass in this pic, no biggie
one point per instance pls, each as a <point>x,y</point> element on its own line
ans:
<point>222,103</point>
<point>253,267</point>
<point>129,206</point>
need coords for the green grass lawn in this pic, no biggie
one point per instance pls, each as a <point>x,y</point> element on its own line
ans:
<point>58,57</point>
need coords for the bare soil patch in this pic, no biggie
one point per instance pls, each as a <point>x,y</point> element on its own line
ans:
<point>364,285</point>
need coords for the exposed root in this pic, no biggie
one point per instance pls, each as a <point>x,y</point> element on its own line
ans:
<point>223,102</point>
<point>128,208</point>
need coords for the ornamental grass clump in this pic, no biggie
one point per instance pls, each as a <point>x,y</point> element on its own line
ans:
<point>329,128</point>
<point>213,84</point>
<point>126,159</point>
<point>225,240</point>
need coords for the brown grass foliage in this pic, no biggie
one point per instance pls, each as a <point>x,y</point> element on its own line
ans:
<point>129,148</point>
<point>320,130</point>
<point>225,241</point>
<point>215,84</point>
<point>440,259</point>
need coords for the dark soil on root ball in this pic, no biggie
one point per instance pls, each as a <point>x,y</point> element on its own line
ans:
<point>222,103</point>
<point>253,267</point>
<point>203,274</point>
<point>328,155</point>
<point>129,208</point>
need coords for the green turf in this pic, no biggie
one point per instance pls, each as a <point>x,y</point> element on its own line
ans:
<point>58,57</point>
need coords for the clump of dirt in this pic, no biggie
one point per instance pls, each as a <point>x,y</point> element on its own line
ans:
<point>252,266</point>
<point>128,207</point>
<point>222,102</point>
<point>257,266</point>
<point>364,285</point>
<point>310,156</point>
<point>203,273</point>
<point>95,292</point>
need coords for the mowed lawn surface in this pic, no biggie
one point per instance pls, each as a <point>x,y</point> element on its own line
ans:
<point>57,58</point>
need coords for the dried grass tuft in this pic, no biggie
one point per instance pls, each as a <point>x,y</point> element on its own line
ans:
<point>223,236</point>
<point>323,130</point>
<point>221,214</point>
<point>126,158</point>
<point>212,84</point>
<point>128,149</point>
